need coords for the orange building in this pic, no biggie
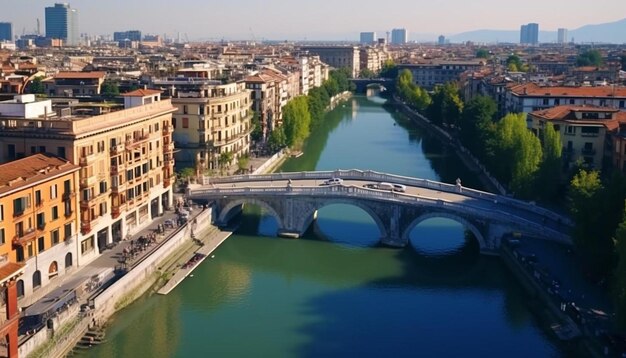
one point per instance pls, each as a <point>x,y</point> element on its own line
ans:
<point>38,205</point>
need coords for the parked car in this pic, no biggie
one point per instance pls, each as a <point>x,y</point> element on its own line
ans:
<point>333,181</point>
<point>380,186</point>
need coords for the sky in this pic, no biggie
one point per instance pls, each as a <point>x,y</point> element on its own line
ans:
<point>313,19</point>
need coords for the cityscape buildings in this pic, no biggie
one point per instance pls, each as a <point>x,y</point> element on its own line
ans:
<point>399,36</point>
<point>367,38</point>
<point>62,23</point>
<point>529,34</point>
<point>6,31</point>
<point>562,36</point>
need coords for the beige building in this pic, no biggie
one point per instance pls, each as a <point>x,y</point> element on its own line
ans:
<point>72,84</point>
<point>211,118</point>
<point>338,57</point>
<point>373,58</point>
<point>125,158</point>
<point>584,130</point>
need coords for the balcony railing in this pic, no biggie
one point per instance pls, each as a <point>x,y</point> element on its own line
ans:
<point>117,149</point>
<point>85,161</point>
<point>68,195</point>
<point>25,237</point>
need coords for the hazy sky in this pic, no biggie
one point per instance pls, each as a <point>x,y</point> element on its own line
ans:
<point>314,19</point>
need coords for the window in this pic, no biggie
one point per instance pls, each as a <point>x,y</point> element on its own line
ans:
<point>86,245</point>
<point>41,244</point>
<point>41,221</point>
<point>103,187</point>
<point>61,152</point>
<point>185,122</point>
<point>38,200</point>
<point>11,151</point>
<point>2,239</point>
<point>19,205</point>
<point>37,279</point>
<point>174,123</point>
<point>53,191</point>
<point>54,237</point>
<point>67,206</point>
<point>67,187</point>
<point>1,212</point>
<point>185,109</point>
<point>67,231</point>
<point>55,212</point>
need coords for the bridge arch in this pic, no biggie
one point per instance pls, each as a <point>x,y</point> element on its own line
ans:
<point>467,225</point>
<point>226,212</point>
<point>308,218</point>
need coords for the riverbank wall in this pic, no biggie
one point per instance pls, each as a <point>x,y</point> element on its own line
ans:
<point>473,164</point>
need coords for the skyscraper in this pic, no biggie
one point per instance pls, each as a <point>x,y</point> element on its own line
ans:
<point>398,36</point>
<point>6,31</point>
<point>529,34</point>
<point>441,40</point>
<point>62,23</point>
<point>368,38</point>
<point>562,36</point>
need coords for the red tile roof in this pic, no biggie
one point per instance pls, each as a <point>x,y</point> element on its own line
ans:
<point>26,171</point>
<point>10,270</point>
<point>141,93</point>
<point>534,90</point>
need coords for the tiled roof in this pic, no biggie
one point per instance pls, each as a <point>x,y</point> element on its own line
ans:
<point>23,172</point>
<point>533,90</point>
<point>141,93</point>
<point>9,270</point>
<point>81,75</point>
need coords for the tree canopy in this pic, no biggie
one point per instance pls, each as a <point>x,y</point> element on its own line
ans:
<point>296,121</point>
<point>589,58</point>
<point>482,53</point>
<point>110,89</point>
<point>446,104</point>
<point>36,86</point>
<point>412,93</point>
<point>477,126</point>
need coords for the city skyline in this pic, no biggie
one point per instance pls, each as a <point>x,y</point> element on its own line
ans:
<point>279,22</point>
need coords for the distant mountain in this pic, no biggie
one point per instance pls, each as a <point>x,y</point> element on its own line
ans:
<point>611,32</point>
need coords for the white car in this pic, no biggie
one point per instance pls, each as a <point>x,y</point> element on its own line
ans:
<point>399,187</point>
<point>333,181</point>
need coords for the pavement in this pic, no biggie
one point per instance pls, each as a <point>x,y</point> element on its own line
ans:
<point>108,261</point>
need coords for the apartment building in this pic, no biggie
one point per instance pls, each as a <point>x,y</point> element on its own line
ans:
<point>338,57</point>
<point>531,97</point>
<point>125,157</point>
<point>211,118</point>
<point>429,75</point>
<point>38,203</point>
<point>269,95</point>
<point>585,132</point>
<point>372,58</point>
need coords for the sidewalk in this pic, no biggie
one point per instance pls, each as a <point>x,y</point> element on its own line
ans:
<point>109,265</point>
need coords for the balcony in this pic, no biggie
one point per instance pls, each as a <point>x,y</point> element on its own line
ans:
<point>588,151</point>
<point>114,170</point>
<point>115,212</point>
<point>68,195</point>
<point>117,149</point>
<point>68,213</point>
<point>167,129</point>
<point>131,143</point>
<point>84,204</point>
<point>86,227</point>
<point>26,237</point>
<point>39,204</point>
<point>86,161</point>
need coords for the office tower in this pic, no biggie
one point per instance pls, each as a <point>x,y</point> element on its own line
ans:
<point>441,40</point>
<point>6,31</point>
<point>132,35</point>
<point>529,34</point>
<point>62,23</point>
<point>368,38</point>
<point>398,36</point>
<point>562,36</point>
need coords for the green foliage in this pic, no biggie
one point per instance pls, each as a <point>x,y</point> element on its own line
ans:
<point>367,73</point>
<point>36,86</point>
<point>277,139</point>
<point>224,160</point>
<point>257,132</point>
<point>589,58</point>
<point>186,174</point>
<point>446,106</point>
<point>586,207</point>
<point>318,99</point>
<point>519,152</point>
<point>550,169</point>
<point>412,93</point>
<point>477,126</point>
<point>110,89</point>
<point>390,70</point>
<point>296,121</point>
<point>515,60</point>
<point>482,53</point>
<point>619,286</point>
<point>243,163</point>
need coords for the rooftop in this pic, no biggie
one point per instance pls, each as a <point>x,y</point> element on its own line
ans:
<point>141,93</point>
<point>27,171</point>
<point>80,75</point>
<point>534,90</point>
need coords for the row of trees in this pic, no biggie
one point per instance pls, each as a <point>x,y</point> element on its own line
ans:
<point>303,114</point>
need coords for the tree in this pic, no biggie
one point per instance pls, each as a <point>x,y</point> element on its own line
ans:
<point>186,174</point>
<point>318,100</point>
<point>482,53</point>
<point>390,70</point>
<point>257,132</point>
<point>550,169</point>
<point>412,93</point>
<point>224,160</point>
<point>518,153</point>
<point>585,201</point>
<point>296,121</point>
<point>110,89</point>
<point>243,163</point>
<point>367,73</point>
<point>619,286</point>
<point>446,106</point>
<point>589,58</point>
<point>277,139</point>
<point>514,63</point>
<point>477,126</point>
<point>36,86</point>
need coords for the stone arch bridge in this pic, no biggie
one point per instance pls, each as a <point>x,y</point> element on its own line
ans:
<point>294,198</point>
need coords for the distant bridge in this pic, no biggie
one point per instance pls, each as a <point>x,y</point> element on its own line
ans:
<point>294,198</point>
<point>363,83</point>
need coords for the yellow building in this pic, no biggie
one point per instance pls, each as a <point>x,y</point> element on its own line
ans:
<point>584,132</point>
<point>38,221</point>
<point>125,158</point>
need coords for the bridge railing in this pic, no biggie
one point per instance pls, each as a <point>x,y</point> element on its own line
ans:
<point>360,193</point>
<point>369,175</point>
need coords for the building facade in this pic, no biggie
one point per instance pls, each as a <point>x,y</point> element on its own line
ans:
<point>338,57</point>
<point>130,35</point>
<point>72,84</point>
<point>6,31</point>
<point>562,36</point>
<point>399,36</point>
<point>367,38</point>
<point>62,23</point>
<point>125,157</point>
<point>529,34</point>
<point>429,75</point>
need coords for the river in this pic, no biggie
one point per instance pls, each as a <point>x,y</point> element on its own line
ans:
<point>335,292</point>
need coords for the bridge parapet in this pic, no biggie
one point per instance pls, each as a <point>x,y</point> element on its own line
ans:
<point>369,175</point>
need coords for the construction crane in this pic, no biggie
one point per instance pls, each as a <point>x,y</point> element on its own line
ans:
<point>252,35</point>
